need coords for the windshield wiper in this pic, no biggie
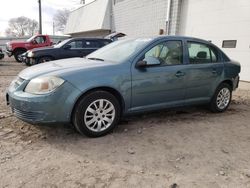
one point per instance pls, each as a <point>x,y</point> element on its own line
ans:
<point>94,58</point>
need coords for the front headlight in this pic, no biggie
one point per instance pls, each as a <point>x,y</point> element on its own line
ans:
<point>30,54</point>
<point>43,85</point>
<point>9,47</point>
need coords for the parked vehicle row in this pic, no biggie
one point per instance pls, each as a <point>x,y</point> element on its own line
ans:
<point>17,48</point>
<point>74,47</point>
<point>125,77</point>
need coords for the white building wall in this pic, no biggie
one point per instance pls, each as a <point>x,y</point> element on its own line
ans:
<point>217,21</point>
<point>139,17</point>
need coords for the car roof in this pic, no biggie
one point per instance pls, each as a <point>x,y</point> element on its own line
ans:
<point>178,37</point>
<point>89,38</point>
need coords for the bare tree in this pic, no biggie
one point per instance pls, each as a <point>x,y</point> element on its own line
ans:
<point>21,26</point>
<point>60,19</point>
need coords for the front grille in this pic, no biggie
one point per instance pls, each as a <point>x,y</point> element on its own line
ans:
<point>30,116</point>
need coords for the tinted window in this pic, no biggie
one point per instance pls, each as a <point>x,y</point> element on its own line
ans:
<point>201,53</point>
<point>104,43</point>
<point>168,53</point>
<point>91,44</point>
<point>75,44</point>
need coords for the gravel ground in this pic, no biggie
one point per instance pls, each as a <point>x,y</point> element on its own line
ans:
<point>189,147</point>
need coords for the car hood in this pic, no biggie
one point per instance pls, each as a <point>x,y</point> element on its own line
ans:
<point>60,66</point>
<point>18,42</point>
<point>42,49</point>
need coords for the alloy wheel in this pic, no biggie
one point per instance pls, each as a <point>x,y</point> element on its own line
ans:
<point>99,115</point>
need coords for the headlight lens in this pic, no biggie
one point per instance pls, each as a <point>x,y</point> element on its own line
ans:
<point>30,54</point>
<point>9,46</point>
<point>43,85</point>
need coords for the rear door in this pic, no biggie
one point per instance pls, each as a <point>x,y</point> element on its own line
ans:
<point>89,46</point>
<point>203,72</point>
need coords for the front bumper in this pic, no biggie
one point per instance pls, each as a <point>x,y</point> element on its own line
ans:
<point>9,53</point>
<point>55,107</point>
<point>29,61</point>
<point>236,82</point>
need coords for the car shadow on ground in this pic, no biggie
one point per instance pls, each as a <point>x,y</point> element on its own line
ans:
<point>136,123</point>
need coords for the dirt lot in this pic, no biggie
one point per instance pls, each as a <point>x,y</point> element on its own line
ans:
<point>180,148</point>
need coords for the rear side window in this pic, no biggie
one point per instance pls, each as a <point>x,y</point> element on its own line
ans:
<point>91,44</point>
<point>104,43</point>
<point>201,53</point>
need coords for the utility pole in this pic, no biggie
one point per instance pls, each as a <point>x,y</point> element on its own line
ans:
<point>40,17</point>
<point>53,28</point>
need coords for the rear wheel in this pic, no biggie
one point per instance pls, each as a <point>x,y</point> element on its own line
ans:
<point>44,59</point>
<point>221,98</point>
<point>17,55</point>
<point>96,114</point>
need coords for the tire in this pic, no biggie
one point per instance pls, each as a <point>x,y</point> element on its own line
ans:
<point>44,59</point>
<point>222,98</point>
<point>89,117</point>
<point>17,55</point>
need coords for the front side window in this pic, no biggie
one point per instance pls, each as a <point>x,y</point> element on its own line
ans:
<point>75,44</point>
<point>168,53</point>
<point>40,39</point>
<point>201,53</point>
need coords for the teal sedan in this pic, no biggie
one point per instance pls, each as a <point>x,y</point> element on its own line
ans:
<point>125,77</point>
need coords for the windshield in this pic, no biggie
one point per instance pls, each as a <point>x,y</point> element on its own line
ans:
<point>30,39</point>
<point>118,51</point>
<point>59,45</point>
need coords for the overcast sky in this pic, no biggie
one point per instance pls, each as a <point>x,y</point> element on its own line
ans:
<point>29,8</point>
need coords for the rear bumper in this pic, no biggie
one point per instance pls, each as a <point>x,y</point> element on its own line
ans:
<point>236,82</point>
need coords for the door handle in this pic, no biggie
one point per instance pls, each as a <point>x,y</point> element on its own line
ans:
<point>214,71</point>
<point>179,74</point>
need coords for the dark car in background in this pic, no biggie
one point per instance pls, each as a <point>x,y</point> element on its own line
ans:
<point>74,47</point>
<point>1,54</point>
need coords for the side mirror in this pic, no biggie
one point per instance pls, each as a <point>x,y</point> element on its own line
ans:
<point>148,61</point>
<point>141,64</point>
<point>66,47</point>
<point>33,42</point>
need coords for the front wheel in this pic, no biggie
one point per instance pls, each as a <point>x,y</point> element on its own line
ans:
<point>221,98</point>
<point>96,114</point>
<point>17,55</point>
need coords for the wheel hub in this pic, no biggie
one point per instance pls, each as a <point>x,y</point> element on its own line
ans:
<point>99,115</point>
<point>223,98</point>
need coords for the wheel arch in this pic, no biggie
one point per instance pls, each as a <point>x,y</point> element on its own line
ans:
<point>19,48</point>
<point>229,82</point>
<point>111,90</point>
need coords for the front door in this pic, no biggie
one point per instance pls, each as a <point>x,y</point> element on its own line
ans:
<point>160,85</point>
<point>75,50</point>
